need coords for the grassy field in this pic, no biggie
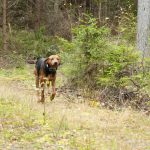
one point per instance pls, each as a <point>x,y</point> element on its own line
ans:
<point>67,126</point>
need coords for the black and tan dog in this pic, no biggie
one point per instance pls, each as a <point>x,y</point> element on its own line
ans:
<point>45,72</point>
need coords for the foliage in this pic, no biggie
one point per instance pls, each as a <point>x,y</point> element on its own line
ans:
<point>32,44</point>
<point>127,24</point>
<point>25,45</point>
<point>86,47</point>
<point>98,63</point>
<point>91,47</point>
<point>118,65</point>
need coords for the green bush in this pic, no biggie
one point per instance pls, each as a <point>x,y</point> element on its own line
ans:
<point>23,45</point>
<point>93,61</point>
<point>127,26</point>
<point>87,47</point>
<point>118,66</point>
<point>32,44</point>
<point>92,53</point>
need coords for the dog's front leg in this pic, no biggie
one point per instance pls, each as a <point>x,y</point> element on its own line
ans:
<point>53,90</point>
<point>48,85</point>
<point>42,90</point>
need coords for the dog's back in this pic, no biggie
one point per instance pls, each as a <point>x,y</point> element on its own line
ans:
<point>39,64</point>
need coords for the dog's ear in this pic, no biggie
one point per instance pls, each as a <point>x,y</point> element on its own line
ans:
<point>48,61</point>
<point>59,63</point>
<point>58,58</point>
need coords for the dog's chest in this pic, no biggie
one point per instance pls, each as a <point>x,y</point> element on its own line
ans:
<point>49,71</point>
<point>49,78</point>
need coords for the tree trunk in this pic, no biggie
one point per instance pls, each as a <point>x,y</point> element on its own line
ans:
<point>56,6</point>
<point>99,12</point>
<point>143,27</point>
<point>37,14</point>
<point>5,25</point>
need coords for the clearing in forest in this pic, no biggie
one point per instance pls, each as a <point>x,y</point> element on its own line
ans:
<point>69,126</point>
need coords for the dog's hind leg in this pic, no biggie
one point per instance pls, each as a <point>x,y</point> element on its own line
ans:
<point>37,88</point>
<point>48,87</point>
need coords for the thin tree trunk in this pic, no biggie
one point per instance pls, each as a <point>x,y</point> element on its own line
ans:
<point>143,27</point>
<point>99,11</point>
<point>5,44</point>
<point>56,6</point>
<point>29,12</point>
<point>37,14</point>
<point>106,9</point>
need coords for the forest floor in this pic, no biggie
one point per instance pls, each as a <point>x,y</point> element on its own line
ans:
<point>68,125</point>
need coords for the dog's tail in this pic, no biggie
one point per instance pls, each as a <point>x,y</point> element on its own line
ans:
<point>31,61</point>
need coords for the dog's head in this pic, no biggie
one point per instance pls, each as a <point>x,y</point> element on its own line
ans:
<point>53,60</point>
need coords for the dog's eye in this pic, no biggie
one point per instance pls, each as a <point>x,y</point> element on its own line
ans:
<point>52,58</point>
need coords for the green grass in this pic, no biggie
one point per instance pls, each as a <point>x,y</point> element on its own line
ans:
<point>23,127</point>
<point>22,74</point>
<point>68,125</point>
<point>16,122</point>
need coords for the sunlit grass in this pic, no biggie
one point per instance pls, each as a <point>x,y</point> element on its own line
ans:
<point>79,127</point>
<point>68,125</point>
<point>17,73</point>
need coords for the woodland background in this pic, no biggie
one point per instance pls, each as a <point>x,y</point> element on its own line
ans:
<point>58,17</point>
<point>97,37</point>
<point>103,82</point>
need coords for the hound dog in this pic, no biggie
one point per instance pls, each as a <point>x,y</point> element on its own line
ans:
<point>45,72</point>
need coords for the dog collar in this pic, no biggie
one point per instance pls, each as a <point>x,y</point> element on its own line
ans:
<point>50,70</point>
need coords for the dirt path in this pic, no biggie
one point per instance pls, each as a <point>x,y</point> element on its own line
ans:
<point>80,126</point>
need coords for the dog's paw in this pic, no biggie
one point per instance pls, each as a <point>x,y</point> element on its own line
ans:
<point>49,93</point>
<point>40,100</point>
<point>52,97</point>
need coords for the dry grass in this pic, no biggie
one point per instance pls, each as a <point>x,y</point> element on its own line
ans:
<point>68,125</point>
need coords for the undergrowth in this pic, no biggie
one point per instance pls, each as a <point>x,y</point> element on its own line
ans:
<point>24,45</point>
<point>68,125</point>
<point>113,72</point>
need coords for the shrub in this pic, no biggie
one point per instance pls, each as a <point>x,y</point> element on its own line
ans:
<point>28,45</point>
<point>85,50</point>
<point>94,62</point>
<point>32,44</point>
<point>91,51</point>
